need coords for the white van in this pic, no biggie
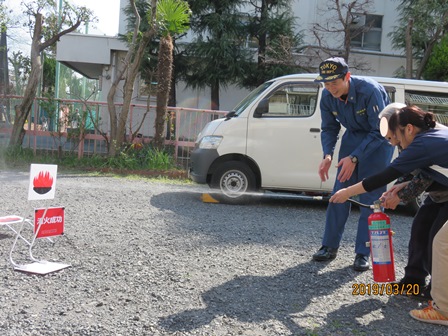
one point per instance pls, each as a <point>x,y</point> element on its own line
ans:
<point>271,140</point>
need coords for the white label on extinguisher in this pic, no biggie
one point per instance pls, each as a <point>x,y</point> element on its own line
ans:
<point>380,247</point>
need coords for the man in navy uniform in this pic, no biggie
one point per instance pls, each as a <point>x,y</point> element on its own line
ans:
<point>353,102</point>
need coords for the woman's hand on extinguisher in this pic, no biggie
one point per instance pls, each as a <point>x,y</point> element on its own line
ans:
<point>340,196</point>
<point>390,201</point>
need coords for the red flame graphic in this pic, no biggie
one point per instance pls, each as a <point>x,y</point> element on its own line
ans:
<point>43,180</point>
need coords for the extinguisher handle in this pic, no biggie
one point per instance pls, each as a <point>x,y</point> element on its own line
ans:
<point>370,206</point>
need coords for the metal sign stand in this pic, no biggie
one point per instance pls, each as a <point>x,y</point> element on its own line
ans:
<point>38,266</point>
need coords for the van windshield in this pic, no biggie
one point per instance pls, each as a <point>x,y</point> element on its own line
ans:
<point>250,98</point>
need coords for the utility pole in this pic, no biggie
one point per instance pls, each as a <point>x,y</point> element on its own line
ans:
<point>58,66</point>
<point>4,74</point>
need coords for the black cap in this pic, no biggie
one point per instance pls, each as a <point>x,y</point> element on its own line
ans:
<point>332,69</point>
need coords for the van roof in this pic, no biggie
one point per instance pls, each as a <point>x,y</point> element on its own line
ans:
<point>383,80</point>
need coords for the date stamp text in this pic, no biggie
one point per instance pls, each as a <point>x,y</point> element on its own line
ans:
<point>363,289</point>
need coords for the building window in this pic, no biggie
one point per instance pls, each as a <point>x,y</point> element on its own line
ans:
<point>247,41</point>
<point>366,32</point>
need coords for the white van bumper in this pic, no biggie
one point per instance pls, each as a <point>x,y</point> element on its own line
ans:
<point>201,160</point>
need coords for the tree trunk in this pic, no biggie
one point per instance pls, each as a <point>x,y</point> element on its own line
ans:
<point>409,48</point>
<point>347,36</point>
<point>425,59</point>
<point>171,123</point>
<point>172,97</point>
<point>112,116</point>
<point>37,46</point>
<point>131,67</point>
<point>18,131</point>
<point>261,62</point>
<point>164,71</point>
<point>215,95</point>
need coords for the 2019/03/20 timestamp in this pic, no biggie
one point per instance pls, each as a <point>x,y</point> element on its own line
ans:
<point>385,289</point>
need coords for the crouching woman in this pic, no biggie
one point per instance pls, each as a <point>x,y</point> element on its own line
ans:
<point>424,147</point>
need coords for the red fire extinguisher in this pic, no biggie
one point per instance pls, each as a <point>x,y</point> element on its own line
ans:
<point>380,242</point>
<point>381,249</point>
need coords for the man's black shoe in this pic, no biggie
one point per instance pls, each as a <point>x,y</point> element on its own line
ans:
<point>325,253</point>
<point>361,263</point>
<point>414,288</point>
<point>411,281</point>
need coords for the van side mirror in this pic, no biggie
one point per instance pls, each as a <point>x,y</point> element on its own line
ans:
<point>262,108</point>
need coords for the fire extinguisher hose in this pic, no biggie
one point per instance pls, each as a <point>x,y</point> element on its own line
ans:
<point>361,204</point>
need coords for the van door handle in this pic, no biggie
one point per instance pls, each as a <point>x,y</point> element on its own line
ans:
<point>315,130</point>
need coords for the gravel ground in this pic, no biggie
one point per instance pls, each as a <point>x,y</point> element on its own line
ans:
<point>149,258</point>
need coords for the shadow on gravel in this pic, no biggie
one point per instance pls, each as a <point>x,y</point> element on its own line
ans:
<point>283,297</point>
<point>389,318</point>
<point>269,222</point>
<point>168,201</point>
<point>347,320</point>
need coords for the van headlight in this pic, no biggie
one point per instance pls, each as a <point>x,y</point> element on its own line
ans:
<point>210,142</point>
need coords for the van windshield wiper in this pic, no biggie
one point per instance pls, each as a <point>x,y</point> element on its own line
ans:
<point>231,114</point>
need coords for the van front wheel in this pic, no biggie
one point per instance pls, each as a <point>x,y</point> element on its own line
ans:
<point>233,182</point>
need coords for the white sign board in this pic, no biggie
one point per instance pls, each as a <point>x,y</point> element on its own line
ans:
<point>42,181</point>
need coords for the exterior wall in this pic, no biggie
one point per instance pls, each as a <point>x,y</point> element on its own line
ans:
<point>308,12</point>
<point>383,63</point>
<point>381,66</point>
<point>122,17</point>
<point>389,10</point>
<point>87,48</point>
<point>200,99</point>
<point>109,74</point>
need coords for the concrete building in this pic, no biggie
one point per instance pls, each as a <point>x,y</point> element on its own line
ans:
<point>98,57</point>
